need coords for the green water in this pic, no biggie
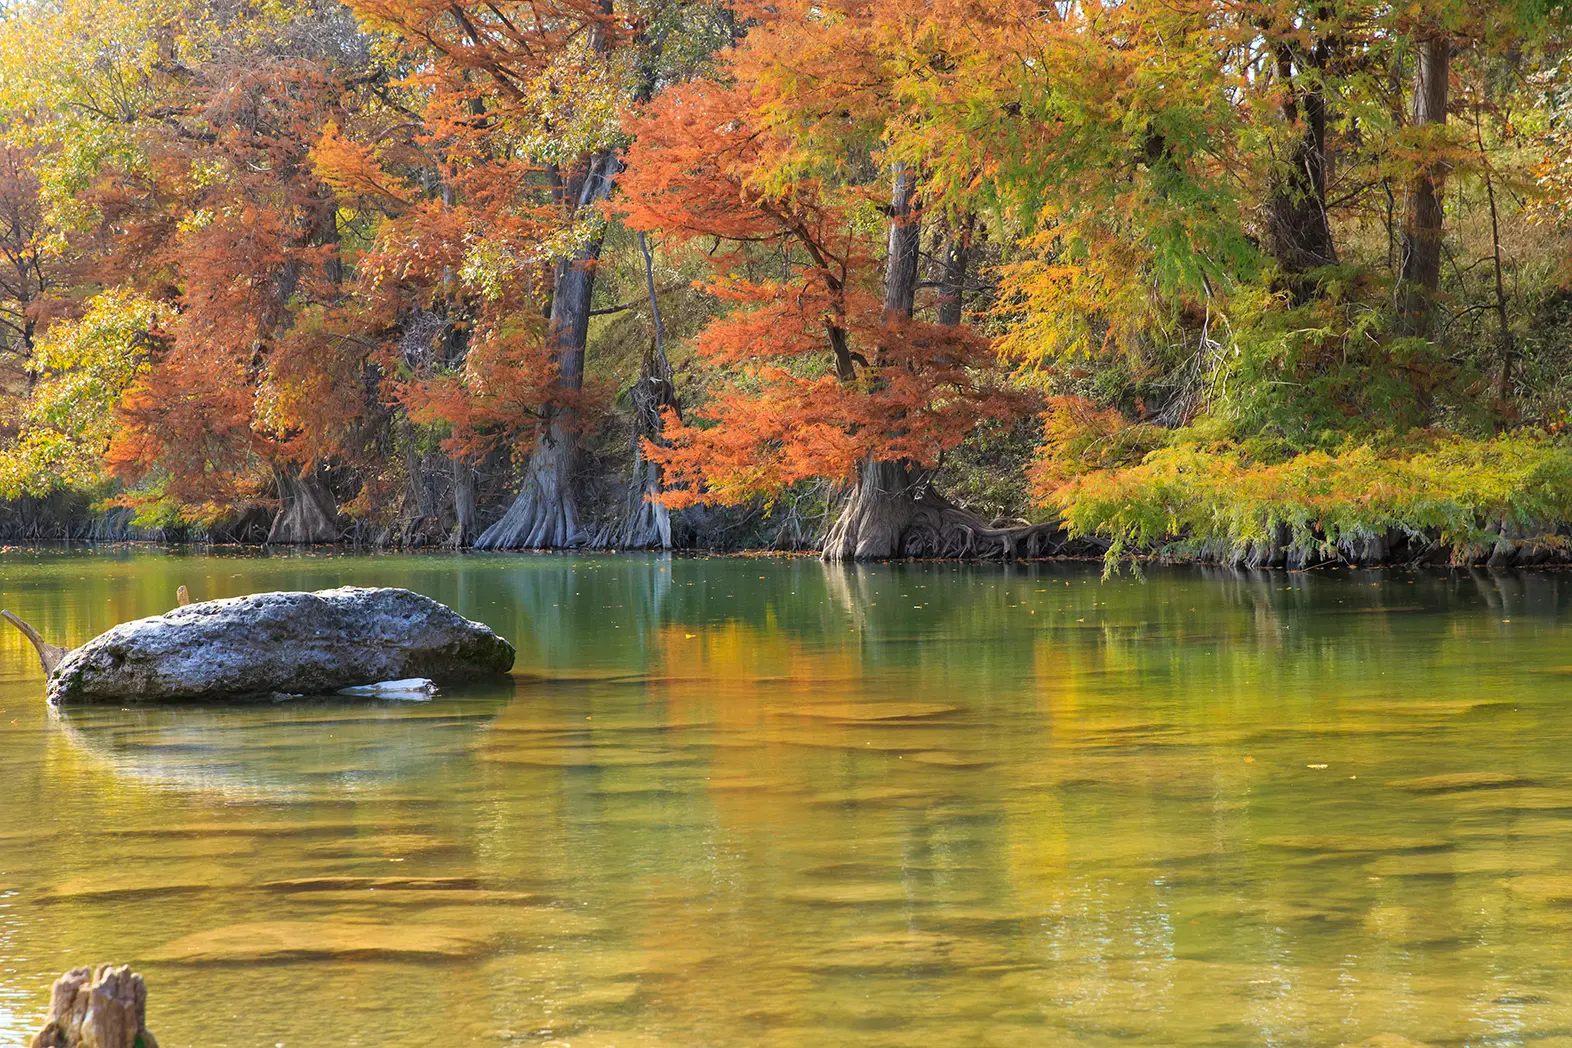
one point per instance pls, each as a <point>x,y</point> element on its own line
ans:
<point>740,802</point>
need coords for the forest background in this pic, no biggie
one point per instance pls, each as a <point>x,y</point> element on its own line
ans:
<point>1256,281</point>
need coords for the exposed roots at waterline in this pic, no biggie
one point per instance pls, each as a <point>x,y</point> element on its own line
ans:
<point>545,515</point>
<point>890,513</point>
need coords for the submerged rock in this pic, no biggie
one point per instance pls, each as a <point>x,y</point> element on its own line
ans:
<point>280,643</point>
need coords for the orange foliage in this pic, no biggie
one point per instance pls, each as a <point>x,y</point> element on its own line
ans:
<point>471,215</point>
<point>354,170</point>
<point>821,379</point>
<point>495,400</point>
<point>234,224</point>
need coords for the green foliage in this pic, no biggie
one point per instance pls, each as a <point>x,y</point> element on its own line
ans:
<point>1191,495</point>
<point>1335,369</point>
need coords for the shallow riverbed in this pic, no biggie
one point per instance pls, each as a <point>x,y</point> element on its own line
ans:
<point>739,802</point>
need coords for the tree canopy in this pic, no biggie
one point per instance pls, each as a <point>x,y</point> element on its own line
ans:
<point>1250,278</point>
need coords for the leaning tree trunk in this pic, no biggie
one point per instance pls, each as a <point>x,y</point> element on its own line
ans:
<point>306,512</point>
<point>1420,277</point>
<point>545,515</point>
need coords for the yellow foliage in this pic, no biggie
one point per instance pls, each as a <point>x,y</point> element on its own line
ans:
<point>84,367</point>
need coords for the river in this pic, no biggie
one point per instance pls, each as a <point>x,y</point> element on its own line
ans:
<point>764,802</point>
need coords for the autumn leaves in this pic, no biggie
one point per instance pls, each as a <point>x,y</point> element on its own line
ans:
<point>400,261</point>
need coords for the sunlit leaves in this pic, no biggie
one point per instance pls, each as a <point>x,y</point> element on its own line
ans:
<point>1463,492</point>
<point>84,368</point>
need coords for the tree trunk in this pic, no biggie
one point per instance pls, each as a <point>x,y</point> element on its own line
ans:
<point>647,524</point>
<point>97,1008</point>
<point>545,515</point>
<point>952,285</point>
<point>424,503</point>
<point>873,520</point>
<point>1420,275</point>
<point>463,505</point>
<point>905,239</point>
<point>306,513</point>
<point>874,517</point>
<point>892,512</point>
<point>1298,231</point>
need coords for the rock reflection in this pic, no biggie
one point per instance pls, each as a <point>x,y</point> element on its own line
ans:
<point>284,751</point>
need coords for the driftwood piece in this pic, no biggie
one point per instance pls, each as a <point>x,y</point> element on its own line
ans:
<point>49,655</point>
<point>103,1007</point>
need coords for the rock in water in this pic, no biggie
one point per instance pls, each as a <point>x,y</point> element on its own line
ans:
<point>101,1007</point>
<point>272,643</point>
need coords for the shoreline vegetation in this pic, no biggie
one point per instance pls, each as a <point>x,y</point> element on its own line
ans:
<point>1270,285</point>
<point>1395,548</point>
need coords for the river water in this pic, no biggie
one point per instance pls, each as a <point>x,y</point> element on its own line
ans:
<point>739,802</point>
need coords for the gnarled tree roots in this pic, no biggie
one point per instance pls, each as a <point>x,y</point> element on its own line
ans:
<point>892,512</point>
<point>545,515</point>
<point>644,523</point>
<point>306,510</point>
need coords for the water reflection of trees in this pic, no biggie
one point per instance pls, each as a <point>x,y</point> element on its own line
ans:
<point>1125,843</point>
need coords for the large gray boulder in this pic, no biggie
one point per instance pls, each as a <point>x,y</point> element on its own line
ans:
<point>272,643</point>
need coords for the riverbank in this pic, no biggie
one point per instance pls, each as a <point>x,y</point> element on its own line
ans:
<point>1500,502</point>
<point>1392,550</point>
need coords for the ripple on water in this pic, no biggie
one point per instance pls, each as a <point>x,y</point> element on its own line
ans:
<point>1351,843</point>
<point>1453,782</point>
<point>127,885</point>
<point>583,757</point>
<point>856,712</point>
<point>274,941</point>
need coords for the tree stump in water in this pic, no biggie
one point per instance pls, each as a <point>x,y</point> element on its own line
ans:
<point>103,1007</point>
